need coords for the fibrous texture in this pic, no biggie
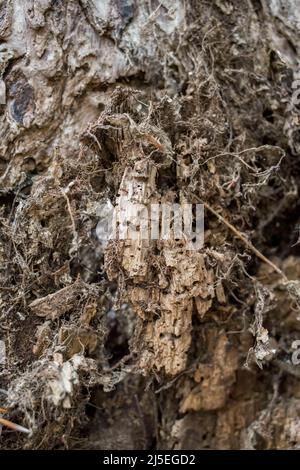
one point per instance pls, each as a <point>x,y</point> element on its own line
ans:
<point>138,343</point>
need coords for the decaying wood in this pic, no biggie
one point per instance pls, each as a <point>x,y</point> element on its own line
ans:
<point>163,299</point>
<point>121,343</point>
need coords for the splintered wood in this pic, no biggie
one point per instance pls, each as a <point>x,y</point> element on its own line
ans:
<point>163,279</point>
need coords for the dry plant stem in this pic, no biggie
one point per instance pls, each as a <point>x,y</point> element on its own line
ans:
<point>247,242</point>
<point>69,210</point>
<point>13,426</point>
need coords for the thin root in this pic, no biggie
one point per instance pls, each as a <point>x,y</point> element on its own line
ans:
<point>246,242</point>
